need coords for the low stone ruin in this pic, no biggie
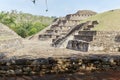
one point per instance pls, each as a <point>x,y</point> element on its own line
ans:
<point>88,40</point>
<point>9,40</point>
<point>42,66</point>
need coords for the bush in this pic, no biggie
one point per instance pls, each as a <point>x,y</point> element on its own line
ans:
<point>32,31</point>
<point>22,32</point>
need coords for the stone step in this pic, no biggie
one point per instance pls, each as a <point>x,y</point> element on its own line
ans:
<point>57,42</point>
<point>87,33</point>
<point>84,38</point>
<point>63,33</point>
<point>56,37</point>
<point>45,36</point>
<point>52,31</point>
<point>88,27</point>
<point>56,28</point>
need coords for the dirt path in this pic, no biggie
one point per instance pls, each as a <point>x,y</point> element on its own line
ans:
<point>38,49</point>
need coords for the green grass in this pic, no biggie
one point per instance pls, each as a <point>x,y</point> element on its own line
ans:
<point>108,21</point>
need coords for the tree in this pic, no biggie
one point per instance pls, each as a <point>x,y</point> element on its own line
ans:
<point>6,19</point>
<point>32,31</point>
<point>22,32</point>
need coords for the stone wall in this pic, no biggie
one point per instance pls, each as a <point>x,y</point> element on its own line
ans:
<point>42,66</point>
<point>71,22</point>
<point>83,38</point>
<point>78,45</point>
<point>87,33</point>
<point>80,15</point>
<point>105,41</point>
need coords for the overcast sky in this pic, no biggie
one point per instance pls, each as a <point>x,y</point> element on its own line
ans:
<point>58,7</point>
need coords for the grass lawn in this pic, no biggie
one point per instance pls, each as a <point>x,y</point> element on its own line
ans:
<point>108,21</point>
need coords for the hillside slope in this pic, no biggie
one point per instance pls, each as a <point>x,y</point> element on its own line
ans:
<point>108,21</point>
<point>25,24</point>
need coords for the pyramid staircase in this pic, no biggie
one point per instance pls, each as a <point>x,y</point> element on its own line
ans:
<point>83,37</point>
<point>58,42</point>
<point>61,39</point>
<point>62,26</point>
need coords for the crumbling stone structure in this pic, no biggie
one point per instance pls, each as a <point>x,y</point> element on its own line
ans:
<point>9,40</point>
<point>62,26</point>
<point>59,42</point>
<point>88,40</point>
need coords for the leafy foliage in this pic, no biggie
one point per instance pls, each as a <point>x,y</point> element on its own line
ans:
<point>24,24</point>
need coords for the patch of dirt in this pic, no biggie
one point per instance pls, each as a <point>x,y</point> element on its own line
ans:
<point>38,49</point>
<point>108,75</point>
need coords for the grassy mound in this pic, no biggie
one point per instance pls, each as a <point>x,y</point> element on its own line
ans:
<point>108,21</point>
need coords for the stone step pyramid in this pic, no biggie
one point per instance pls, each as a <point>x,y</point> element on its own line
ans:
<point>63,25</point>
<point>9,40</point>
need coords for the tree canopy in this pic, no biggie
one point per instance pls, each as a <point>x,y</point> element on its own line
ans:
<point>24,24</point>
